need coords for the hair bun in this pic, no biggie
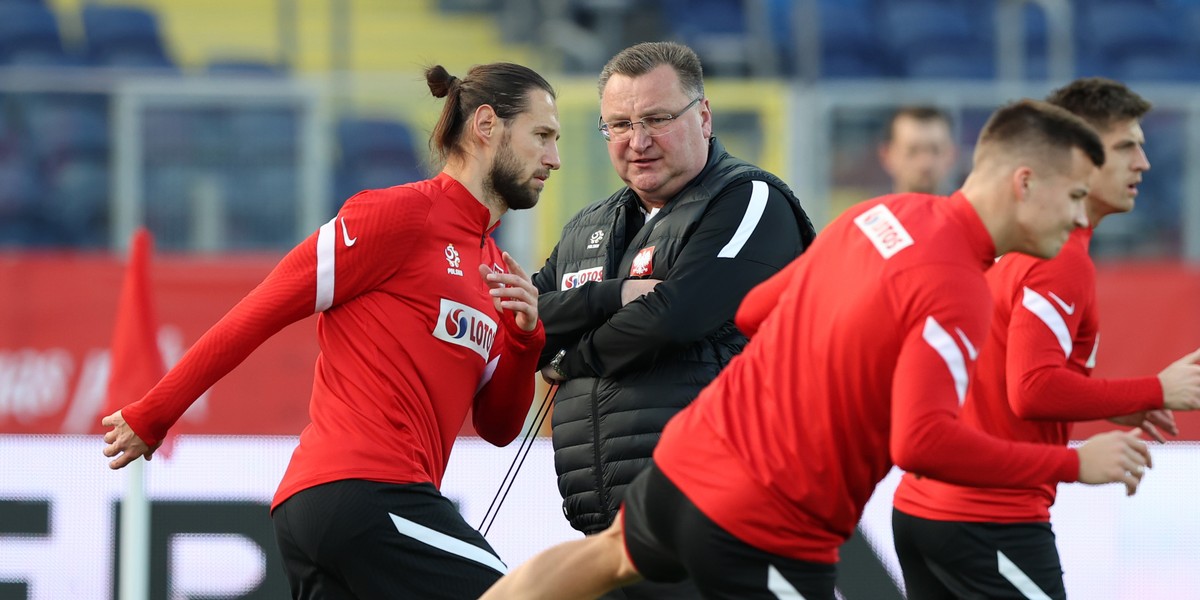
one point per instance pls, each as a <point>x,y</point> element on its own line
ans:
<point>440,81</point>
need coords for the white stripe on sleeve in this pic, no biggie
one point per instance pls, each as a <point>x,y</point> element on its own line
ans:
<point>1042,309</point>
<point>326,240</point>
<point>754,212</point>
<point>446,543</point>
<point>488,371</point>
<point>943,343</point>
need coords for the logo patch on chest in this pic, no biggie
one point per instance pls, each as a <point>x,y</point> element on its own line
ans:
<point>884,230</point>
<point>453,260</point>
<point>596,239</point>
<point>464,326</point>
<point>578,278</point>
<point>643,263</point>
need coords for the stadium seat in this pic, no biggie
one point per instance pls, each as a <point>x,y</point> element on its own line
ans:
<point>75,208</point>
<point>1112,31</point>
<point>264,134</point>
<point>20,222</point>
<point>716,30</point>
<point>125,37</point>
<point>937,39</point>
<point>375,153</point>
<point>850,43</point>
<point>261,207</point>
<point>28,32</point>
<point>1183,67</point>
<point>60,125</point>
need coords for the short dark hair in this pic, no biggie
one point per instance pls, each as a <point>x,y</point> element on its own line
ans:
<point>503,86</point>
<point>919,112</point>
<point>1100,101</point>
<point>1034,127</point>
<point>640,59</point>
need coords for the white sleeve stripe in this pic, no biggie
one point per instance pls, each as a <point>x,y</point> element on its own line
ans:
<point>446,543</point>
<point>326,240</point>
<point>943,343</point>
<point>488,371</point>
<point>754,213</point>
<point>1024,584</point>
<point>1043,310</point>
<point>1091,361</point>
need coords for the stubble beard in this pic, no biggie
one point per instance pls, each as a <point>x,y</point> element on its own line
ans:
<point>504,181</point>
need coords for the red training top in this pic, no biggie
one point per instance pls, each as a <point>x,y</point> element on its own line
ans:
<point>1033,380</point>
<point>410,340</point>
<point>860,356</point>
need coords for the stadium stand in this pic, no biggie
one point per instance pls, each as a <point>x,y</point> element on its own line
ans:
<point>374,153</point>
<point>64,144</point>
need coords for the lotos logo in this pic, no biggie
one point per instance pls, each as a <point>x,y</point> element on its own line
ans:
<point>578,278</point>
<point>456,324</point>
<point>643,263</point>
<point>464,326</point>
<point>884,230</point>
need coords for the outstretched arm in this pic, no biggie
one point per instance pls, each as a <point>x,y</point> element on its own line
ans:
<point>930,382</point>
<point>1052,340</point>
<point>318,274</point>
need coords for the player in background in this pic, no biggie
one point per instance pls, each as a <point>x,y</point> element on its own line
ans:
<point>918,150</point>
<point>860,355</point>
<point>422,318</point>
<point>1033,381</point>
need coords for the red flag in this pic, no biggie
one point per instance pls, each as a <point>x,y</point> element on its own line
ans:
<point>136,363</point>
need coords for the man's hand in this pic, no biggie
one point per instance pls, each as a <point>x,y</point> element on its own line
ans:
<point>632,289</point>
<point>1181,383</point>
<point>550,376</point>
<point>513,291</point>
<point>1150,421</point>
<point>1115,456</point>
<point>123,441</point>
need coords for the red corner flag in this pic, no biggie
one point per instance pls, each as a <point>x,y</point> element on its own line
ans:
<point>136,363</point>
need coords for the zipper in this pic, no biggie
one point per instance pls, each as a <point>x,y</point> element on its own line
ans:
<point>601,490</point>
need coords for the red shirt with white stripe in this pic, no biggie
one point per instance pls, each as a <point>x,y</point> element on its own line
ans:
<point>860,355</point>
<point>1033,381</point>
<point>410,340</point>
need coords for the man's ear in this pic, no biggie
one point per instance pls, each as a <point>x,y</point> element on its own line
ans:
<point>1021,180</point>
<point>484,123</point>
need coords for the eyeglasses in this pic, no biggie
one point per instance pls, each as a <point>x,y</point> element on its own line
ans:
<point>619,131</point>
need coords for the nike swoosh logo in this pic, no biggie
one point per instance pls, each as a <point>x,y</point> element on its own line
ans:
<point>350,241</point>
<point>971,351</point>
<point>1067,308</point>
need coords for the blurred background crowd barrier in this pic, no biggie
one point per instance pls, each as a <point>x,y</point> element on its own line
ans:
<point>232,129</point>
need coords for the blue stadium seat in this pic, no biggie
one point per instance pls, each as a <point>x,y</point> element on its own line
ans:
<point>261,207</point>
<point>20,221</point>
<point>126,37</point>
<point>937,39</point>
<point>1183,67</point>
<point>28,32</point>
<point>715,29</point>
<point>1116,30</point>
<point>59,126</point>
<point>375,153</point>
<point>850,42</point>
<point>75,206</point>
